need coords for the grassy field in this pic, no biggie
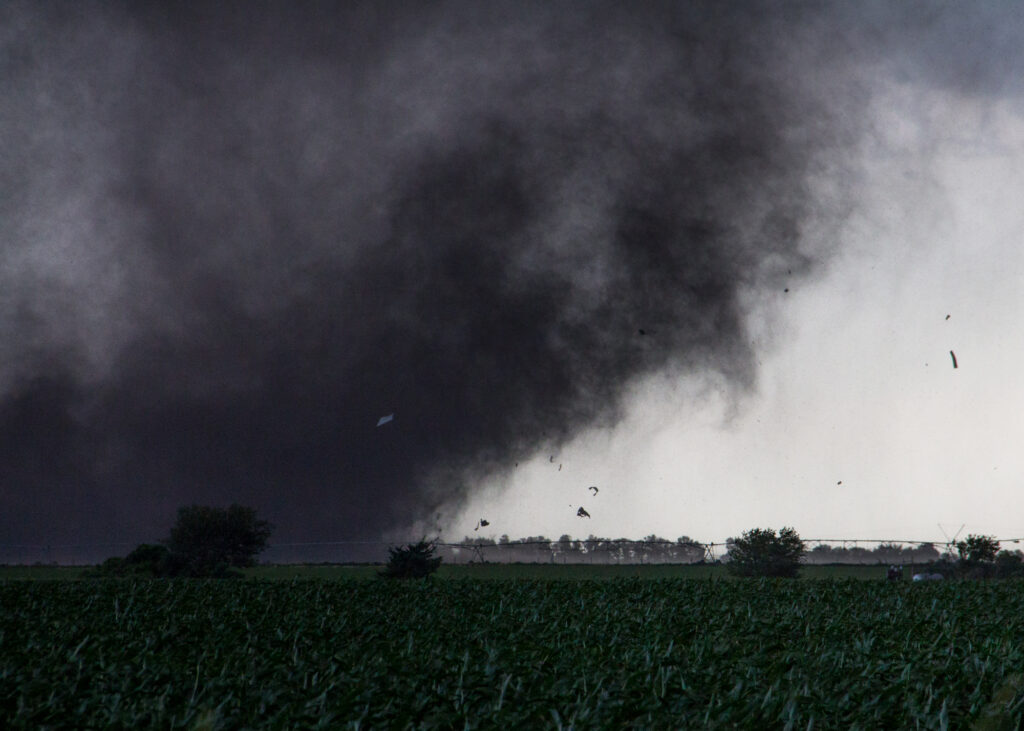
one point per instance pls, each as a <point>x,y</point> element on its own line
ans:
<point>511,653</point>
<point>489,571</point>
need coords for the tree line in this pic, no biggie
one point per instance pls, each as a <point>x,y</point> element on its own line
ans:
<point>209,541</point>
<point>655,549</point>
<point>566,549</point>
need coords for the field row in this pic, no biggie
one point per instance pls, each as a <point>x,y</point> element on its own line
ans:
<point>505,654</point>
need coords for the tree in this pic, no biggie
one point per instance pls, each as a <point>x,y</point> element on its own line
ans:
<point>207,541</point>
<point>760,552</point>
<point>415,561</point>
<point>978,549</point>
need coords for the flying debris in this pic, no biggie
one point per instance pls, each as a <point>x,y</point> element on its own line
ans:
<point>642,331</point>
<point>953,356</point>
<point>594,488</point>
<point>786,289</point>
<point>385,419</point>
<point>840,482</point>
<point>582,513</point>
<point>551,459</point>
<point>482,524</point>
<point>559,467</point>
<point>947,317</point>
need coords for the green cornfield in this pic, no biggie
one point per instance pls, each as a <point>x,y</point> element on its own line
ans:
<point>506,654</point>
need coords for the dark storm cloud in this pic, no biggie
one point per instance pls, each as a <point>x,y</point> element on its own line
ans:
<point>236,235</point>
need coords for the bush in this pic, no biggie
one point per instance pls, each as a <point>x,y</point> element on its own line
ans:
<point>145,560</point>
<point>760,552</point>
<point>113,566</point>
<point>943,566</point>
<point>1009,564</point>
<point>415,561</point>
<point>148,558</point>
<point>208,541</point>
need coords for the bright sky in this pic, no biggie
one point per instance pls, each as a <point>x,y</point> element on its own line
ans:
<point>856,382</point>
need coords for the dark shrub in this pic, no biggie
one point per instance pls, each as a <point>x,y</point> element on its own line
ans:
<point>149,558</point>
<point>1009,565</point>
<point>146,560</point>
<point>113,566</point>
<point>415,561</point>
<point>760,552</point>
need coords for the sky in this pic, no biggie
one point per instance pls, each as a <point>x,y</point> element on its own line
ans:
<point>709,258</point>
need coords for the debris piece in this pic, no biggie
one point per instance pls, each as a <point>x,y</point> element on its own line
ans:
<point>594,488</point>
<point>385,419</point>
<point>559,467</point>
<point>840,482</point>
<point>551,458</point>
<point>786,289</point>
<point>642,331</point>
<point>947,317</point>
<point>480,523</point>
<point>582,513</point>
<point>953,356</point>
